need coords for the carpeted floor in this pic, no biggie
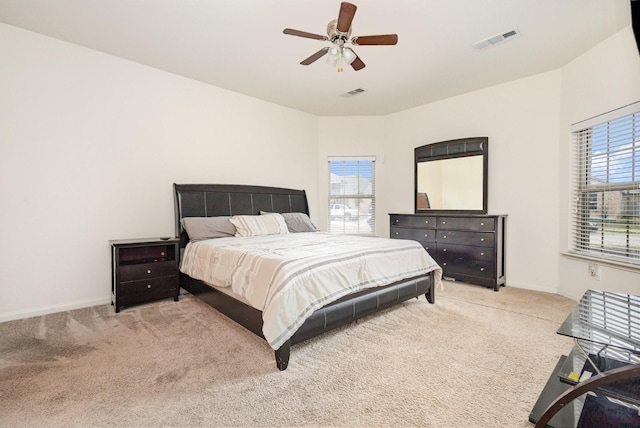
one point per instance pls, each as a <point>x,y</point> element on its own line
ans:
<point>476,358</point>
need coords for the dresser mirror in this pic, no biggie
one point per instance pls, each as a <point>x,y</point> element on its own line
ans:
<point>451,176</point>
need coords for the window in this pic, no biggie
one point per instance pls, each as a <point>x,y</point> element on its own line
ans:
<point>606,186</point>
<point>351,205</point>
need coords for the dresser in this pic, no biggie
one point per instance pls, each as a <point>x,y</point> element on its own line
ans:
<point>143,270</point>
<point>467,247</point>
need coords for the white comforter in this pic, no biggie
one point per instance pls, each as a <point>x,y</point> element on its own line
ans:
<point>288,277</point>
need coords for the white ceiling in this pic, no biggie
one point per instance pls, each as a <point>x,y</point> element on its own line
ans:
<point>239,45</point>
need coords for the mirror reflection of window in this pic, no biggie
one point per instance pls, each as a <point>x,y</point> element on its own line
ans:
<point>451,184</point>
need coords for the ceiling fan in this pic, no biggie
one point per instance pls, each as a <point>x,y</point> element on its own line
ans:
<point>338,33</point>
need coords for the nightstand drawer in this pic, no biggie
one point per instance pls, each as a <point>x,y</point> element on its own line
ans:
<point>155,287</point>
<point>147,270</point>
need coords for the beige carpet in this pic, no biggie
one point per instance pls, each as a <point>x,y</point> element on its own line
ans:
<point>476,358</point>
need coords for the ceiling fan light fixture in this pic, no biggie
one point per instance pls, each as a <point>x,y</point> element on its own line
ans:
<point>337,55</point>
<point>333,55</point>
<point>348,55</point>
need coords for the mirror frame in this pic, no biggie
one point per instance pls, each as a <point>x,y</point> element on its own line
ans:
<point>450,149</point>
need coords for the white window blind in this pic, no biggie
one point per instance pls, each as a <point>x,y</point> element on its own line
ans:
<point>351,205</point>
<point>608,314</point>
<point>606,187</point>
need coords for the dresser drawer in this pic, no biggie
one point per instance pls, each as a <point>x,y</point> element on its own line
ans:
<point>479,239</point>
<point>467,223</point>
<point>422,235</point>
<point>151,288</point>
<point>467,267</point>
<point>413,221</point>
<point>448,251</point>
<point>147,270</point>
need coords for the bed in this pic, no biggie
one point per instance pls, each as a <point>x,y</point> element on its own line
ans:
<point>204,202</point>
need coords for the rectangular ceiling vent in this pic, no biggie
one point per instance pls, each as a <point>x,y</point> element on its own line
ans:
<point>497,39</point>
<point>352,93</point>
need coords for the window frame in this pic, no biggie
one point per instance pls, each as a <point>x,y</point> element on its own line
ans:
<point>343,224</point>
<point>596,146</point>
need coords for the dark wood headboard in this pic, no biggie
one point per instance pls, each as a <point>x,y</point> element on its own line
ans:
<point>210,200</point>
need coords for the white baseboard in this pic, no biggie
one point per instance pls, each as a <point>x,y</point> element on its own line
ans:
<point>16,315</point>
<point>533,287</point>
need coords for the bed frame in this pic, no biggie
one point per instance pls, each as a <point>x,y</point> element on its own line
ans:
<point>208,200</point>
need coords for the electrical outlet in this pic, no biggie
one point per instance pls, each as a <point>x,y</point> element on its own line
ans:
<point>594,271</point>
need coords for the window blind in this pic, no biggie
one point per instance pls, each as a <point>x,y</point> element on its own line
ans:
<point>606,188</point>
<point>608,315</point>
<point>351,204</point>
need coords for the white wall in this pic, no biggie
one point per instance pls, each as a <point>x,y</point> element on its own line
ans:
<point>605,78</point>
<point>350,136</point>
<point>521,120</point>
<point>90,145</point>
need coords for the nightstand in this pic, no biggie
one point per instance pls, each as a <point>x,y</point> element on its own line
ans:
<point>143,270</point>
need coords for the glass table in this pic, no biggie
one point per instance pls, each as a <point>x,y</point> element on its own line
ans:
<point>598,383</point>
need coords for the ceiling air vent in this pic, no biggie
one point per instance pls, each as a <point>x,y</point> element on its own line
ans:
<point>352,93</point>
<point>497,39</point>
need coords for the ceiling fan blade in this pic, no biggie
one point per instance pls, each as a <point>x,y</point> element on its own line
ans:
<point>347,11</point>
<point>316,56</point>
<point>357,64</point>
<point>383,39</point>
<point>292,32</point>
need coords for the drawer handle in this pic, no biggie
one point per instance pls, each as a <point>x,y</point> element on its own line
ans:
<point>481,269</point>
<point>444,222</point>
<point>444,264</point>
<point>481,239</point>
<point>426,222</point>
<point>148,270</point>
<point>425,235</point>
<point>444,237</point>
<point>162,253</point>
<point>445,250</point>
<point>396,233</point>
<point>482,254</point>
<point>481,224</point>
<point>397,220</point>
<point>148,285</point>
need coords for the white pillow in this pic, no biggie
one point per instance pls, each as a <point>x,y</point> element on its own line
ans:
<point>255,225</point>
